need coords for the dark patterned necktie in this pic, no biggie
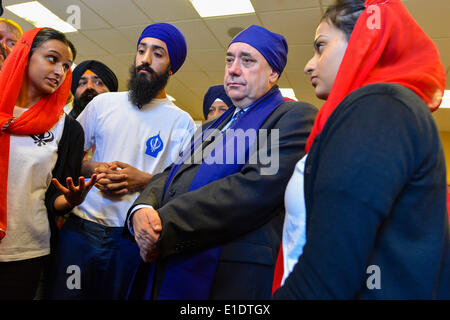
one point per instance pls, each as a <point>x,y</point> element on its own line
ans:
<point>238,114</point>
<point>235,117</point>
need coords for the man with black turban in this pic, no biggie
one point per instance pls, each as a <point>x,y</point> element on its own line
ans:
<point>89,79</point>
<point>136,134</point>
<point>210,226</point>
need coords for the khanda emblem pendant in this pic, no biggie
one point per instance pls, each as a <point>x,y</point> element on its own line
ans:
<point>42,139</point>
<point>154,146</point>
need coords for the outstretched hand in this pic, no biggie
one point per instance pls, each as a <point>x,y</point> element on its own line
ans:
<point>73,195</point>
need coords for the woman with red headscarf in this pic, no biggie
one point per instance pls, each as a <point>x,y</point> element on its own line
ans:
<point>372,222</point>
<point>38,142</point>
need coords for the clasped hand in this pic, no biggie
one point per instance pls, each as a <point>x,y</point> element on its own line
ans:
<point>147,230</point>
<point>120,178</point>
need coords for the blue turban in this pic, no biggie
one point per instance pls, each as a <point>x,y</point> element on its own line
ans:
<point>100,69</point>
<point>174,40</point>
<point>271,45</point>
<point>211,95</point>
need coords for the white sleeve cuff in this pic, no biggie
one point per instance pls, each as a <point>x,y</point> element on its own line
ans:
<point>130,217</point>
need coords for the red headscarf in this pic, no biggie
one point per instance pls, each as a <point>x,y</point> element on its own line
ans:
<point>36,120</point>
<point>386,45</point>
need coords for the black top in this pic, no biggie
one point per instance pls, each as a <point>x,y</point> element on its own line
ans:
<point>68,164</point>
<point>375,194</point>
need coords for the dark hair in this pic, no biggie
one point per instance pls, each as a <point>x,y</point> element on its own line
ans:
<point>47,34</point>
<point>343,14</point>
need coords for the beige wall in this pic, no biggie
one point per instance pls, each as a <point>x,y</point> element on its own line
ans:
<point>445,136</point>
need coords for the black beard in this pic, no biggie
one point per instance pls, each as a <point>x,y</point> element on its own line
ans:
<point>80,103</point>
<point>142,90</point>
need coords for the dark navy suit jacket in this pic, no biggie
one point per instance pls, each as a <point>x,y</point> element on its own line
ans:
<point>242,212</point>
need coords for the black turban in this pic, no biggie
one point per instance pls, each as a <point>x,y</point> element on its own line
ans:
<point>211,95</point>
<point>101,70</point>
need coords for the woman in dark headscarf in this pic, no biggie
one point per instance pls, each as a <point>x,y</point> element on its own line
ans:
<point>215,102</point>
<point>38,144</point>
<point>371,221</point>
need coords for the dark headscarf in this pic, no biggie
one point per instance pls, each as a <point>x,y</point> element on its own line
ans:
<point>211,95</point>
<point>174,40</point>
<point>100,69</point>
<point>271,45</point>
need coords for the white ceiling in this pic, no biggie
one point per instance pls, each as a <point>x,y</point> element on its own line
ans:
<point>110,28</point>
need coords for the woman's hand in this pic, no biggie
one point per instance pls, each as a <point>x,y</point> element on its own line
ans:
<point>73,195</point>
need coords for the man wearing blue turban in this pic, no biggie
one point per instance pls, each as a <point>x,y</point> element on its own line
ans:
<point>209,227</point>
<point>215,102</point>
<point>136,134</point>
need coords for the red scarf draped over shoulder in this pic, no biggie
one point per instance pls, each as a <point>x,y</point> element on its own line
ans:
<point>386,45</point>
<point>36,120</point>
